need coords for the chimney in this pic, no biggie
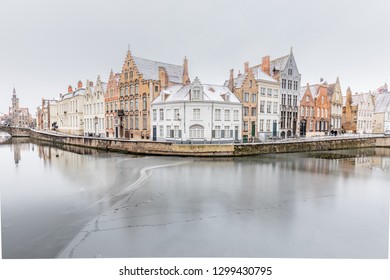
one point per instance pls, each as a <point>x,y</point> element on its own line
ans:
<point>231,80</point>
<point>265,65</point>
<point>246,67</point>
<point>186,78</point>
<point>79,85</point>
<point>70,89</point>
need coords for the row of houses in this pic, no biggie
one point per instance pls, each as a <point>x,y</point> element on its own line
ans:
<point>151,100</point>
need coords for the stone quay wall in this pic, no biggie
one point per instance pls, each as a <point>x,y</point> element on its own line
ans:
<point>209,150</point>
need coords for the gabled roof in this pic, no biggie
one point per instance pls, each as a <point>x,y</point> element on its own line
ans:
<point>382,103</point>
<point>149,69</point>
<point>182,93</point>
<point>279,63</point>
<point>238,81</point>
<point>331,88</point>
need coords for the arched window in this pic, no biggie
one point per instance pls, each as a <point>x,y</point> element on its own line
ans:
<point>131,89</point>
<point>144,101</point>
<point>136,88</point>
<point>196,131</point>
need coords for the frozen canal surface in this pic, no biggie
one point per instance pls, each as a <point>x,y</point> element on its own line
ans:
<point>75,202</point>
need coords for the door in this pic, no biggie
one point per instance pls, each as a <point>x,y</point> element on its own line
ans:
<point>253,129</point>
<point>116,132</point>
<point>302,130</point>
<point>154,133</point>
<point>236,133</point>
<point>274,129</point>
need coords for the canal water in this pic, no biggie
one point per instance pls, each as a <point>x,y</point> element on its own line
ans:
<point>62,201</point>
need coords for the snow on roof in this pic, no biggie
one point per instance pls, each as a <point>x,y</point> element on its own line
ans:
<point>279,63</point>
<point>182,93</point>
<point>149,69</point>
<point>260,75</point>
<point>382,103</point>
<point>77,92</point>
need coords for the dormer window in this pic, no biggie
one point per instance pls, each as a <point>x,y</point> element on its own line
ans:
<point>196,90</point>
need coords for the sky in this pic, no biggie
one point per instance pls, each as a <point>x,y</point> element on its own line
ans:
<point>47,45</point>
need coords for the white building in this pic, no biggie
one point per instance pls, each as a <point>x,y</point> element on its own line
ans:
<point>196,113</point>
<point>70,108</point>
<point>268,104</point>
<point>382,113</point>
<point>94,114</point>
<point>365,113</point>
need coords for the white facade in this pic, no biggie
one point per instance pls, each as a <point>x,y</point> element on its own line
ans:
<point>268,105</point>
<point>70,108</point>
<point>53,114</point>
<point>94,113</point>
<point>365,113</point>
<point>196,113</point>
<point>382,113</point>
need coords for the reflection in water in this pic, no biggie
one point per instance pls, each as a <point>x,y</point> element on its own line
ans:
<point>73,202</point>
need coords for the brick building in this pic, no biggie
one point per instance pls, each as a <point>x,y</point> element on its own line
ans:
<point>140,82</point>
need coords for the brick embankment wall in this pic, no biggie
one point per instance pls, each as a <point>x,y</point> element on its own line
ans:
<point>164,148</point>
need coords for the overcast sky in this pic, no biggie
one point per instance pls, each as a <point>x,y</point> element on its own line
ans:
<point>47,45</point>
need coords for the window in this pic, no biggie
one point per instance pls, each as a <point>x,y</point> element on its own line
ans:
<point>131,74</point>
<point>126,90</point>
<point>245,126</point>
<point>261,125</point>
<point>121,91</point>
<point>136,122</point>
<point>131,122</point>
<point>161,114</point>
<point>254,97</point>
<point>295,98</point>
<point>289,99</point>
<point>217,114</point>
<point>136,103</point>
<point>276,93</point>
<point>235,115</point>
<point>246,97</point>
<point>275,107</point>
<point>290,72</point>
<point>155,88</point>
<point>176,114</point>
<point>307,98</point>
<point>302,111</point>
<point>295,85</point>
<point>196,131</point>
<point>168,133</point>
<point>253,111</point>
<point>262,104</point>
<point>136,88</point>
<point>176,131</point>
<point>307,111</point>
<point>283,83</point>
<point>283,99</point>
<point>246,111</point>
<point>168,115</point>
<point>227,132</point>
<point>127,105</point>
<point>144,102</point>
<point>131,104</point>
<point>217,132</point>
<point>289,84</point>
<point>262,91</point>
<point>269,103</point>
<point>227,115</point>
<point>161,131</point>
<point>196,94</point>
<point>268,125</point>
<point>196,114</point>
<point>269,92</point>
<point>131,89</point>
<point>144,122</point>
